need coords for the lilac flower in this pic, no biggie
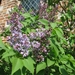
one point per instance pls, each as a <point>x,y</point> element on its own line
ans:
<point>21,18</point>
<point>44,50</point>
<point>26,43</point>
<point>40,58</point>
<point>25,37</point>
<point>17,34</point>
<point>41,34</point>
<point>17,47</point>
<point>33,35</point>
<point>26,53</point>
<point>20,7</point>
<point>19,25</point>
<point>35,44</point>
<point>15,19</point>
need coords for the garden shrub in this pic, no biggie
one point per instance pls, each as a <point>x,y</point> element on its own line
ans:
<point>37,46</point>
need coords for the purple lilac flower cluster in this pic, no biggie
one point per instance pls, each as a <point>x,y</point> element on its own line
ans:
<point>15,19</point>
<point>40,33</point>
<point>39,43</point>
<point>34,42</point>
<point>21,9</point>
<point>23,43</point>
<point>20,45</point>
<point>20,42</point>
<point>43,13</point>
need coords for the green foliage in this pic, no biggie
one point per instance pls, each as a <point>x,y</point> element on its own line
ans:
<point>40,66</point>
<point>29,23</point>
<point>2,46</point>
<point>53,2</point>
<point>50,62</point>
<point>60,57</point>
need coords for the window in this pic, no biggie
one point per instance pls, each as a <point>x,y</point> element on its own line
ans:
<point>30,4</point>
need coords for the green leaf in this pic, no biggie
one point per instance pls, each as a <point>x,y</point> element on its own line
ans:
<point>47,27</point>
<point>2,44</point>
<point>43,21</point>
<point>69,66</point>
<point>41,72</point>
<point>53,25</point>
<point>51,74</point>
<point>40,66</point>
<point>33,19</point>
<point>58,32</point>
<point>24,23</point>
<point>28,21</point>
<point>63,71</point>
<point>18,72</point>
<point>59,46</point>
<point>16,64</point>
<point>29,58</point>
<point>65,57</point>
<point>28,30</point>
<point>63,60</point>
<point>73,6</point>
<point>61,30</point>
<point>73,63</point>
<point>70,57</point>
<point>62,50</point>
<point>67,15</point>
<point>29,64</point>
<point>50,62</point>
<point>26,15</point>
<point>8,53</point>
<point>55,48</point>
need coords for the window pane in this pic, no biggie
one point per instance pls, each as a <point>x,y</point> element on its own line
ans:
<point>30,4</point>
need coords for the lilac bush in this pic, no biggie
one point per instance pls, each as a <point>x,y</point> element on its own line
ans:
<point>38,46</point>
<point>27,43</point>
<point>23,42</point>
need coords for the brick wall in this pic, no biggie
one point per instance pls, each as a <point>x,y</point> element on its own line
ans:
<point>5,7</point>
